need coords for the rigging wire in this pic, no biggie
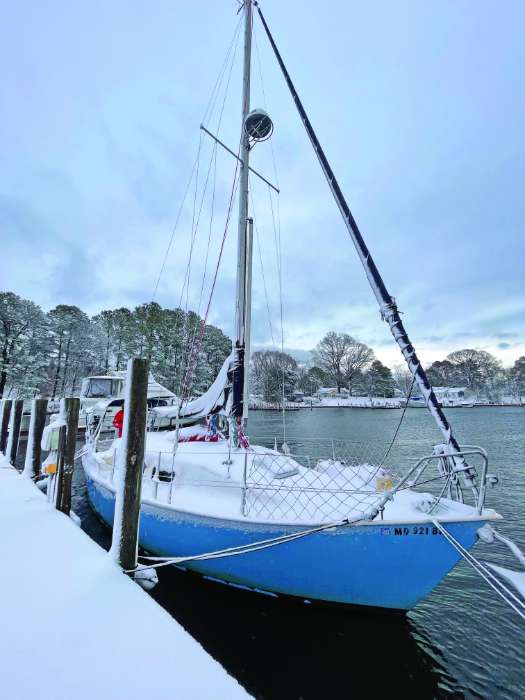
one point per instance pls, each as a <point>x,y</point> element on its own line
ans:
<point>208,111</point>
<point>276,222</point>
<point>399,424</point>
<point>214,180</point>
<point>195,223</point>
<point>226,69</point>
<point>213,162</point>
<point>278,254</point>
<point>192,360</point>
<point>257,237</point>
<point>174,229</point>
<point>216,88</point>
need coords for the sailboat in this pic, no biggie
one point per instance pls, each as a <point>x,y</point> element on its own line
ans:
<point>319,522</point>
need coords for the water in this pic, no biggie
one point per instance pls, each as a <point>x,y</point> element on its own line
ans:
<point>461,641</point>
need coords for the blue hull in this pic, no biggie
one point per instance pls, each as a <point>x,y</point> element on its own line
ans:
<point>388,566</point>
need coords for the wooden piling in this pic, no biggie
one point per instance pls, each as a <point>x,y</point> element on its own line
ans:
<point>34,438</point>
<point>66,461</point>
<point>4,427</point>
<point>54,489</point>
<point>124,546</point>
<point>14,431</point>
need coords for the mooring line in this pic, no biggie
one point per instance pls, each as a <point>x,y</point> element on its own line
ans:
<point>487,575</point>
<point>254,546</point>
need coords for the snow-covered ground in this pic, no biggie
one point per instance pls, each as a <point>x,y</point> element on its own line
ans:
<point>360,402</point>
<point>74,626</point>
<point>331,402</point>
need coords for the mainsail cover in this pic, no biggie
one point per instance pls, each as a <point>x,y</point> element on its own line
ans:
<point>216,399</point>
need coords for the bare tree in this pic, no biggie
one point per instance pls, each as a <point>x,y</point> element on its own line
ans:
<point>403,379</point>
<point>342,358</point>
<point>516,377</point>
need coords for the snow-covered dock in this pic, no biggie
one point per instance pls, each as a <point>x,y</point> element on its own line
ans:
<point>75,626</point>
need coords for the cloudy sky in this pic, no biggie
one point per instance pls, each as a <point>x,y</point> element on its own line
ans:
<point>419,105</point>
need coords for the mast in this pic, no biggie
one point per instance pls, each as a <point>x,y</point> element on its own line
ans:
<point>248,316</point>
<point>387,303</point>
<point>241,306</point>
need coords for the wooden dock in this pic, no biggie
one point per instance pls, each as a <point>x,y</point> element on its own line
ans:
<point>75,626</point>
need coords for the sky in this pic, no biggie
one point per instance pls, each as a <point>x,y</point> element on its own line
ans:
<point>419,106</point>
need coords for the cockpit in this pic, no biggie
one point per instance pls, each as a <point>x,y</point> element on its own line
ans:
<point>101,387</point>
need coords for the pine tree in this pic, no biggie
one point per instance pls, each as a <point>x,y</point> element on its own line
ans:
<point>20,324</point>
<point>379,380</point>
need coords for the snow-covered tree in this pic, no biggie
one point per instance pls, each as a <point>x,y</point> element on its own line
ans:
<point>273,374</point>
<point>21,324</point>
<point>516,376</point>
<point>72,349</point>
<point>379,381</point>
<point>477,369</point>
<point>445,373</point>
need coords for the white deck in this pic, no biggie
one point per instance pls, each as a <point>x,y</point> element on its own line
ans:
<point>74,626</point>
<point>205,485</point>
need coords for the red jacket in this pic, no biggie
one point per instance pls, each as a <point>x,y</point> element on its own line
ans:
<point>118,421</point>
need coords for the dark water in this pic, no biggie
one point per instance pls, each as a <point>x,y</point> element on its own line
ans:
<point>461,641</point>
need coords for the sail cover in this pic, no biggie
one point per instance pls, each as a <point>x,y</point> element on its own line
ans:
<point>214,400</point>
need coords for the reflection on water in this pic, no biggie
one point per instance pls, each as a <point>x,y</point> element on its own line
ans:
<point>280,649</point>
<point>459,642</point>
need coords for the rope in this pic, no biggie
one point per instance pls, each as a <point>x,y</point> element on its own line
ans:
<point>256,546</point>
<point>499,587</point>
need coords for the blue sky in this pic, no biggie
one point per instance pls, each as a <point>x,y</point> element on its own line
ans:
<point>420,108</point>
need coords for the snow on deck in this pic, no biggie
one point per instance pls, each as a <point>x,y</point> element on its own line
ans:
<point>74,626</point>
<point>205,484</point>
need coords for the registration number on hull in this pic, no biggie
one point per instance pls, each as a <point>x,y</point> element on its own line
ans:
<point>412,530</point>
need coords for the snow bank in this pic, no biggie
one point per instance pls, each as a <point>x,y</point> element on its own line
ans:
<point>74,626</point>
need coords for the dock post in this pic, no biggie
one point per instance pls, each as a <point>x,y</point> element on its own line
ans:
<point>34,438</point>
<point>14,431</point>
<point>54,488</point>
<point>4,426</point>
<point>66,464</point>
<point>130,460</point>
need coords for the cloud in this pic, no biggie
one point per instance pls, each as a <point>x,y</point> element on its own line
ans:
<point>99,147</point>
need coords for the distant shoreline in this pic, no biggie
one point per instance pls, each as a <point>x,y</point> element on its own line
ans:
<point>307,407</point>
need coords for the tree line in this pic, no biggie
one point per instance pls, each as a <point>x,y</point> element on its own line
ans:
<point>50,353</point>
<point>339,361</point>
<point>342,362</point>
